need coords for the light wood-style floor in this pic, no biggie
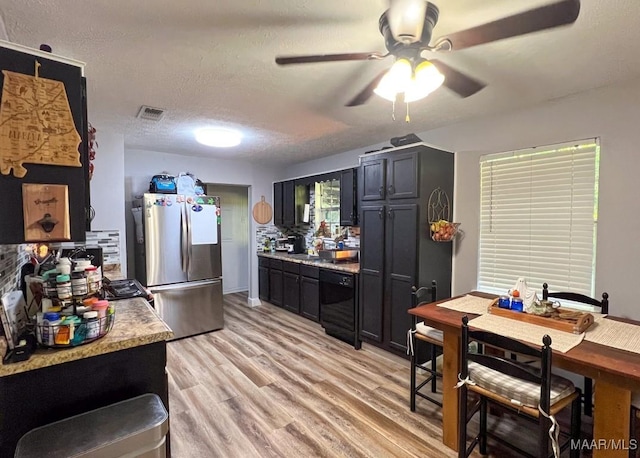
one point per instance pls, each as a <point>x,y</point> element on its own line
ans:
<point>273,384</point>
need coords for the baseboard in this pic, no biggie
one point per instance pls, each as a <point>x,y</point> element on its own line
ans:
<point>253,302</point>
<point>237,290</point>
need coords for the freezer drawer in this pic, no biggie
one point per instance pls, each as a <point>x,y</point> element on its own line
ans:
<point>190,308</point>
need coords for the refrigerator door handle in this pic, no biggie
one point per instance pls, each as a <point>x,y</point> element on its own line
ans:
<point>184,239</point>
<point>188,285</point>
<point>189,239</point>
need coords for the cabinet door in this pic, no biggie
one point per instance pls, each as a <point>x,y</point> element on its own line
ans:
<point>310,298</point>
<point>263,283</point>
<point>403,176</point>
<point>401,265</point>
<point>277,203</point>
<point>348,214</point>
<point>372,225</point>
<point>275,287</point>
<point>38,169</point>
<point>372,179</point>
<point>291,292</point>
<point>288,203</point>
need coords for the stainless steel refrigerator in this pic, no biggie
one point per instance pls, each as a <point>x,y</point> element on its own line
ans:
<point>178,259</point>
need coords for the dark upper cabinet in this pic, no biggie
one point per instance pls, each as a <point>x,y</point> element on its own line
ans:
<point>277,203</point>
<point>348,200</point>
<point>289,203</point>
<point>372,179</point>
<point>402,176</point>
<point>76,178</point>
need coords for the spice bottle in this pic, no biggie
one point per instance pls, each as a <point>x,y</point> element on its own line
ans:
<point>79,284</point>
<point>63,287</point>
<point>92,324</point>
<point>50,322</point>
<point>94,279</point>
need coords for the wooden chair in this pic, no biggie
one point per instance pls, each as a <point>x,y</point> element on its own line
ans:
<point>432,338</point>
<point>530,392</point>
<point>602,306</point>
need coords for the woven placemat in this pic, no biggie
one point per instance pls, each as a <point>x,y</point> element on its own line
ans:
<point>615,334</point>
<point>532,333</point>
<point>468,304</point>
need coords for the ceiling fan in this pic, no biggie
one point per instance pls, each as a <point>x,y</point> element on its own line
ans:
<point>407,27</point>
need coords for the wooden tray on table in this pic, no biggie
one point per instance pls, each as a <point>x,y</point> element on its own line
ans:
<point>566,320</point>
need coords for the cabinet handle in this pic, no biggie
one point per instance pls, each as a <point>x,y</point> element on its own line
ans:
<point>390,213</point>
<point>381,213</point>
<point>381,190</point>
<point>390,189</point>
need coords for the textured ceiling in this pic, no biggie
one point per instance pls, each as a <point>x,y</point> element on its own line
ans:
<point>212,62</point>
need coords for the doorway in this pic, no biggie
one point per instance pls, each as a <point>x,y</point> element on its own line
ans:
<point>234,226</point>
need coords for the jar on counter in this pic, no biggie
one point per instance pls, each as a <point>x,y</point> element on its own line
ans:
<point>50,322</point>
<point>517,304</point>
<point>79,287</point>
<point>101,307</point>
<point>92,324</point>
<point>63,287</point>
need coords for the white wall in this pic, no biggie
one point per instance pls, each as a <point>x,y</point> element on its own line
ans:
<point>140,166</point>
<point>107,189</point>
<point>609,113</point>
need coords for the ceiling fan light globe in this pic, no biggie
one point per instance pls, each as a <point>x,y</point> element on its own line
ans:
<point>426,80</point>
<point>406,19</point>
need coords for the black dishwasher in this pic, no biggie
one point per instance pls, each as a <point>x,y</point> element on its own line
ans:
<point>338,306</point>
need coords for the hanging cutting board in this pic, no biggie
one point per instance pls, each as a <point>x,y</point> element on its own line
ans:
<point>262,211</point>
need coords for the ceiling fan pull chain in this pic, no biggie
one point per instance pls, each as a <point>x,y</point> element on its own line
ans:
<point>407,118</point>
<point>393,110</point>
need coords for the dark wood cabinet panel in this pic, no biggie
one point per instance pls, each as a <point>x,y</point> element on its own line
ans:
<point>372,179</point>
<point>403,176</point>
<point>310,298</point>
<point>288,203</point>
<point>372,223</point>
<point>277,204</point>
<point>401,266</point>
<point>263,283</point>
<point>75,178</point>
<point>348,201</point>
<point>291,292</point>
<point>275,287</point>
<point>396,249</point>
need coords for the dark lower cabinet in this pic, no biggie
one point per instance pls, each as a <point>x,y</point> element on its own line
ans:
<point>310,298</point>
<point>291,285</point>
<point>275,287</point>
<point>263,283</point>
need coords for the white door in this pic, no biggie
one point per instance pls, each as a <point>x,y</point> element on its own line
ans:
<point>234,206</point>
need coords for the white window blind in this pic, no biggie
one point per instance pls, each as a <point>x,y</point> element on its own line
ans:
<point>539,210</point>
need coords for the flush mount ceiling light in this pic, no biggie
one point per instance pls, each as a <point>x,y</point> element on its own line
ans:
<point>406,19</point>
<point>219,137</point>
<point>413,81</point>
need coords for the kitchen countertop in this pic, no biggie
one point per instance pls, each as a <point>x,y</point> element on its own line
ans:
<point>351,267</point>
<point>136,324</point>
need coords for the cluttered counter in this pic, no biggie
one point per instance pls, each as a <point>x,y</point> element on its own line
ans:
<point>136,324</point>
<point>55,384</point>
<point>351,267</point>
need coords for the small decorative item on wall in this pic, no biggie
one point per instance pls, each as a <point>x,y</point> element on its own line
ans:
<point>439,213</point>
<point>36,124</point>
<point>93,144</point>
<point>46,212</point>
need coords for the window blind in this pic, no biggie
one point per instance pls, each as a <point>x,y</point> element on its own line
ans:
<point>538,217</point>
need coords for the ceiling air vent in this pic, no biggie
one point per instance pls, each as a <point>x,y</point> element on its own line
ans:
<point>150,113</point>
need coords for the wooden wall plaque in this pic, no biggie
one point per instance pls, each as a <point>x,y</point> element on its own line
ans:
<point>46,212</point>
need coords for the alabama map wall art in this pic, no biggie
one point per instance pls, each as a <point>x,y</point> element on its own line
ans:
<point>36,124</point>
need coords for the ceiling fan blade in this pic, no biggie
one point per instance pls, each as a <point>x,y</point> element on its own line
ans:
<point>367,92</point>
<point>546,17</point>
<point>287,60</point>
<point>459,83</point>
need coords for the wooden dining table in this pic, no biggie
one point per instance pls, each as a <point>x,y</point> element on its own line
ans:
<point>616,374</point>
